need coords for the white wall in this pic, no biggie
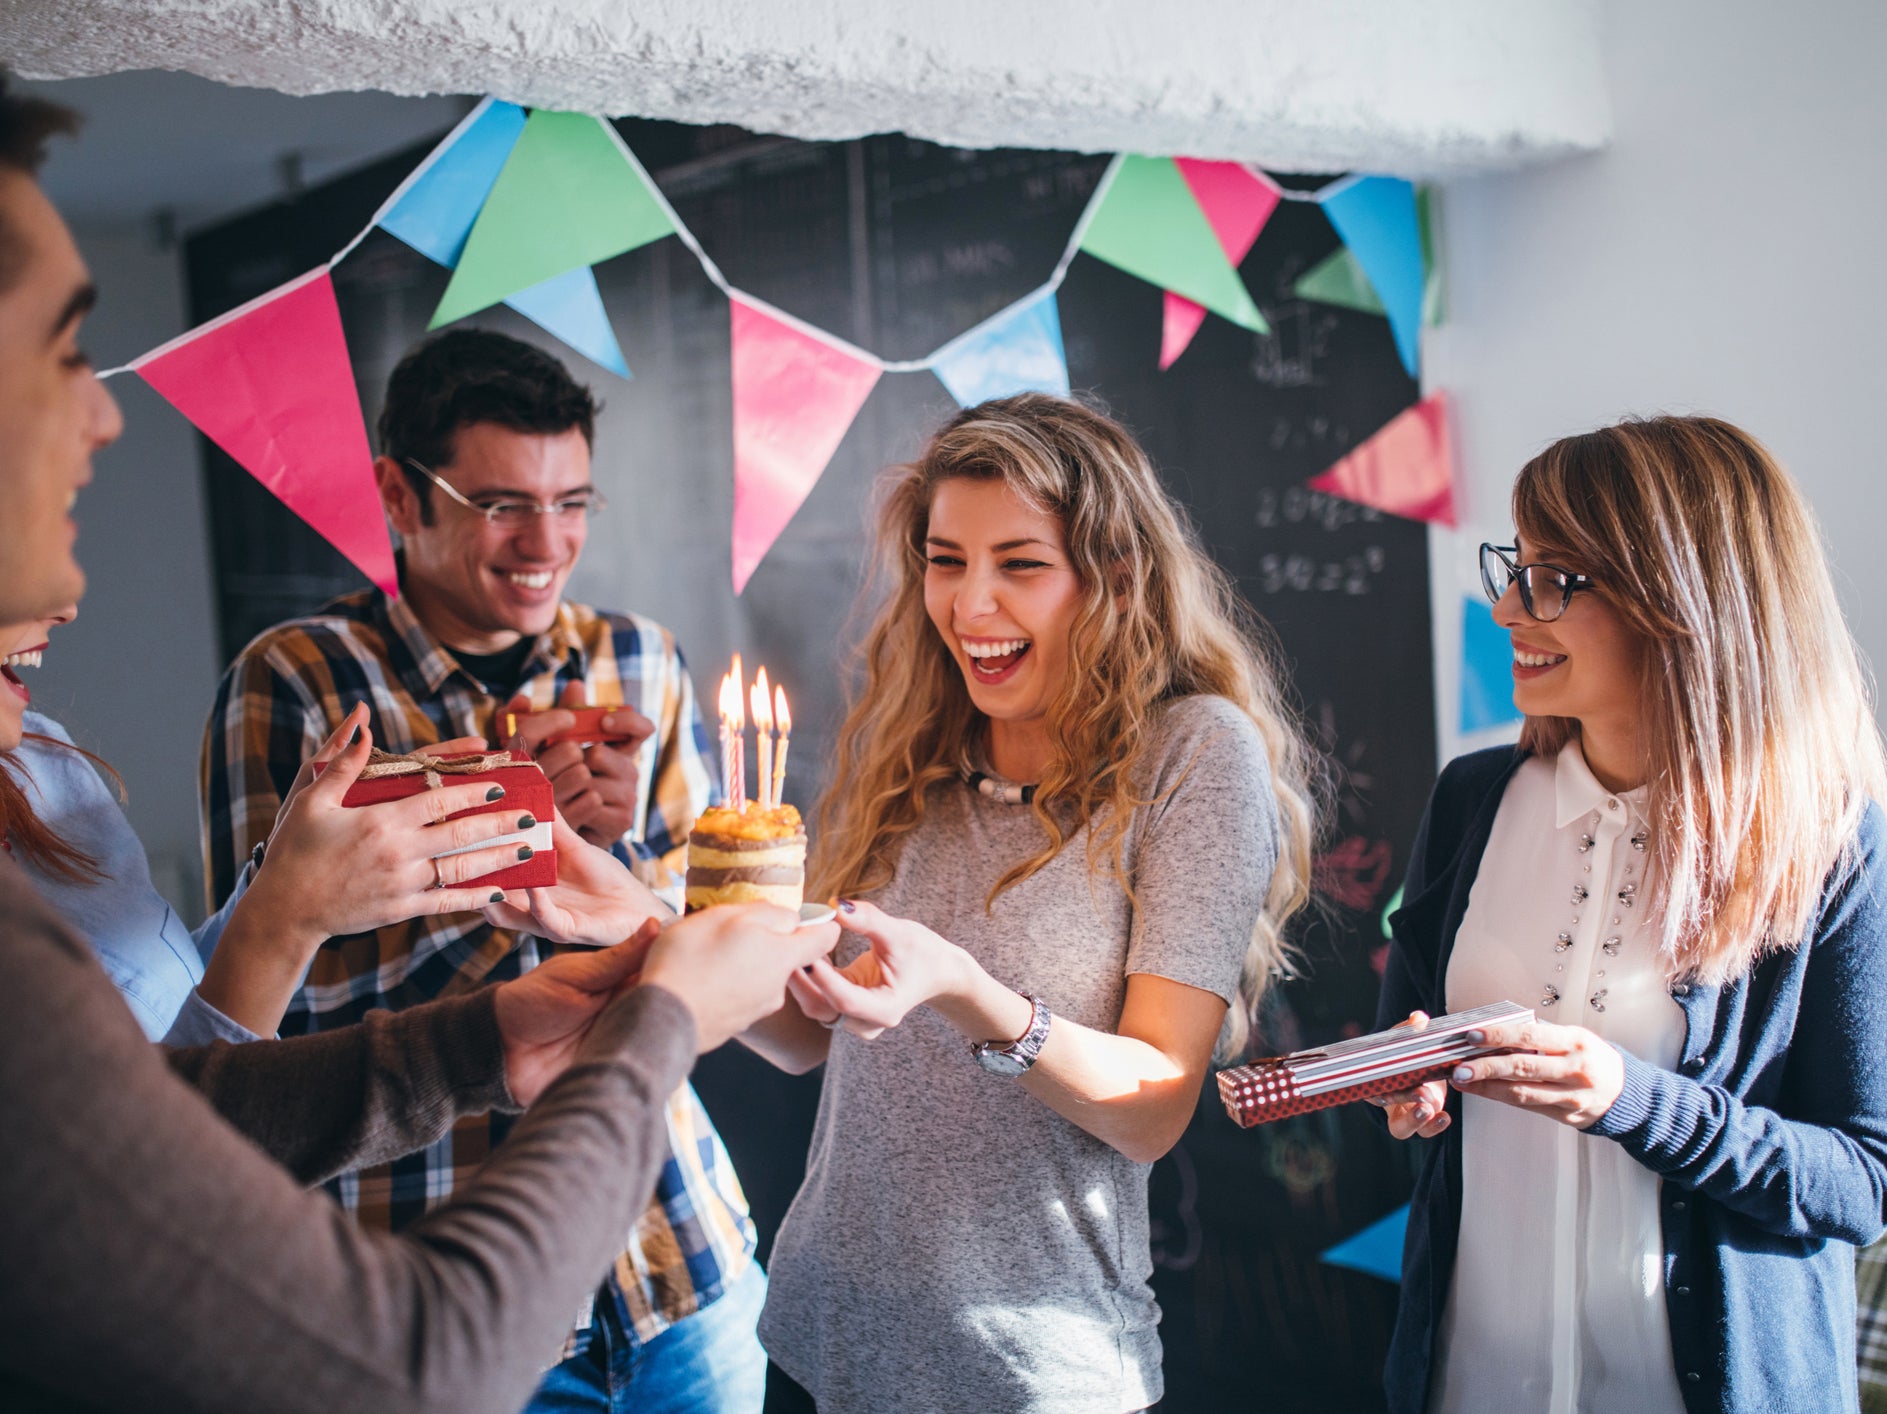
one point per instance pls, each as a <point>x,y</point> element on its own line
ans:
<point>133,676</point>
<point>1722,257</point>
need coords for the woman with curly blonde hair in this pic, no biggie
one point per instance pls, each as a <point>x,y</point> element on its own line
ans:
<point>1079,810</point>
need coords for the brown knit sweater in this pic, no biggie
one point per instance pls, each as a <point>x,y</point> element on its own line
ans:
<point>159,1248</point>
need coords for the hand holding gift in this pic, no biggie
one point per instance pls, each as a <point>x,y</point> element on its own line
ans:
<point>589,754</point>
<point>1389,1064</point>
<point>595,902</point>
<point>330,869</point>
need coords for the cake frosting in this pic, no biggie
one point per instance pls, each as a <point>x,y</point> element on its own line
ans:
<point>756,855</point>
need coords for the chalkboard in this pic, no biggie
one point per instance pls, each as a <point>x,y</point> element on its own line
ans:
<point>898,245</point>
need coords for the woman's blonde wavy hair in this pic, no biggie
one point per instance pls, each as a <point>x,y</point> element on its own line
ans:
<point>1158,621</point>
<point>1761,744</point>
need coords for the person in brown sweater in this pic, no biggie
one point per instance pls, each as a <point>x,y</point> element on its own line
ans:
<point>158,1245</point>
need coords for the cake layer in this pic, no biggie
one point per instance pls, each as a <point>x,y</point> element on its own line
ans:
<point>785,895</point>
<point>765,874</point>
<point>701,856</point>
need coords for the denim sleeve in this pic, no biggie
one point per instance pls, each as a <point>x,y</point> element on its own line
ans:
<point>210,931</point>
<point>1815,1166</point>
<point>198,1023</point>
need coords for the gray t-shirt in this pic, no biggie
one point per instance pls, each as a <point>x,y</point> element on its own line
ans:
<point>958,1245</point>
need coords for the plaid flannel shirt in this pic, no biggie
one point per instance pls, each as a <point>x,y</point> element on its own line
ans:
<point>1870,1335</point>
<point>283,696</point>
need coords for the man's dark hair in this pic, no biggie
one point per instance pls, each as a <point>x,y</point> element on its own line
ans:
<point>25,124</point>
<point>465,376</point>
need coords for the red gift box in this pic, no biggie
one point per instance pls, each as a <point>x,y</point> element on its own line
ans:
<point>1361,1068</point>
<point>587,731</point>
<point>527,791</point>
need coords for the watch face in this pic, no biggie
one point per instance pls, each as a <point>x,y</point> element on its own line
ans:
<point>1000,1062</point>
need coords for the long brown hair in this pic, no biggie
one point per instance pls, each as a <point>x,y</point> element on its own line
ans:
<point>33,837</point>
<point>1158,621</point>
<point>1761,744</point>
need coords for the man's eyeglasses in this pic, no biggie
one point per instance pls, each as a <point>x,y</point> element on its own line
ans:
<point>1545,590</point>
<point>511,513</point>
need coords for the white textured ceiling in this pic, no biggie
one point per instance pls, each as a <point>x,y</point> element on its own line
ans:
<point>1415,87</point>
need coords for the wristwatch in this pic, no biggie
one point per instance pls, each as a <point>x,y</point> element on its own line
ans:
<point>1012,1058</point>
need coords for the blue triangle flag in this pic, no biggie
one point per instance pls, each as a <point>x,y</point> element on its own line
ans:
<point>1377,219</point>
<point>570,306</point>
<point>1017,350</point>
<point>1487,678</point>
<point>436,213</point>
<point>1377,1249</point>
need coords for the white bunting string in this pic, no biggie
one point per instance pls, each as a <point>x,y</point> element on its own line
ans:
<point>713,271</point>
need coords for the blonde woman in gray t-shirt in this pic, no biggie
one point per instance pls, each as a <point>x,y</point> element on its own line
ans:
<point>1075,802</point>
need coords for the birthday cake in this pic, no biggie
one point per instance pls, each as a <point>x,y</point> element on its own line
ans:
<point>751,855</point>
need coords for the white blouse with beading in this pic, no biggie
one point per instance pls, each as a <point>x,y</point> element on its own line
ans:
<point>1557,1302</point>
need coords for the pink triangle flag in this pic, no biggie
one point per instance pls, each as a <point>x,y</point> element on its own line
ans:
<point>1179,321</point>
<point>1406,469</point>
<point>794,397</point>
<point>271,384</point>
<point>1236,203</point>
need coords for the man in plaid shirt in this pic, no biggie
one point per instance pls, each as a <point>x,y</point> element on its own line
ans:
<point>485,473</point>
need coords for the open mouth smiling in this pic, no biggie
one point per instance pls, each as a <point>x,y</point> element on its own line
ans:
<point>25,658</point>
<point>993,659</point>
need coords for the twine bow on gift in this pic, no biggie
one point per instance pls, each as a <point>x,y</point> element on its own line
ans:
<point>436,768</point>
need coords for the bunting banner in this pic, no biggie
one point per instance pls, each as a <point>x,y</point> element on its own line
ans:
<point>435,211</point>
<point>566,197</point>
<point>1237,203</point>
<point>795,395</point>
<point>571,307</point>
<point>1376,1250</point>
<point>522,207</point>
<point>1376,218</point>
<point>1017,351</point>
<point>1149,224</point>
<point>1339,279</point>
<point>1407,468</point>
<point>271,384</point>
<point>1487,679</point>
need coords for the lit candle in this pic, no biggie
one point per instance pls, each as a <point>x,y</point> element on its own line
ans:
<point>737,790</point>
<point>783,719</point>
<point>727,700</point>
<point>763,739</point>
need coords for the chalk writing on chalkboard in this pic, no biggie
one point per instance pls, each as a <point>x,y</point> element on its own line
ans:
<point>1353,574</point>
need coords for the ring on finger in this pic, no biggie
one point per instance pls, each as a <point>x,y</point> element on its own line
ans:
<point>438,876</point>
<point>834,1024</point>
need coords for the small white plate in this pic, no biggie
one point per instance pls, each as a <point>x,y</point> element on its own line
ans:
<point>811,915</point>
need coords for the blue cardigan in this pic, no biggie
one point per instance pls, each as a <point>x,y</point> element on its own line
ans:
<point>1770,1136</point>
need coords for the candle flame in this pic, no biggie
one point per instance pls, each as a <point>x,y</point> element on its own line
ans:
<point>729,700</point>
<point>762,713</point>
<point>782,717</point>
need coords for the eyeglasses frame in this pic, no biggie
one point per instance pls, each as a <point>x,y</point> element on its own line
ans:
<point>598,502</point>
<point>1516,574</point>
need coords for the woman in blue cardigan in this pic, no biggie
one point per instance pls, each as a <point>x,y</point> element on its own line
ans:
<point>1649,1206</point>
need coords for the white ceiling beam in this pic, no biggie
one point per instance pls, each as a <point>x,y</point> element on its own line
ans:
<point>1414,87</point>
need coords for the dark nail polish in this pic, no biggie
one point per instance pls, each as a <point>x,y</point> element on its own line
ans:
<point>495,793</point>
<point>497,896</point>
<point>525,822</point>
<point>525,851</point>
<point>1477,1037</point>
<point>847,906</point>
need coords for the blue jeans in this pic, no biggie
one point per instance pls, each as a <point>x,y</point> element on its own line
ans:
<point>709,1363</point>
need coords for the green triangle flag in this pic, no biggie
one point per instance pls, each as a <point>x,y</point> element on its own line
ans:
<point>567,196</point>
<point>1150,225</point>
<point>1340,280</point>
